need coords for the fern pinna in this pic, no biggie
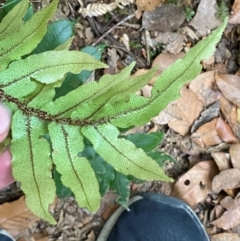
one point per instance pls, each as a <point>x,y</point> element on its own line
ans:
<point>50,132</point>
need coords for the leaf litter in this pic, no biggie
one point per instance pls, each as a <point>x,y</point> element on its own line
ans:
<point>216,137</point>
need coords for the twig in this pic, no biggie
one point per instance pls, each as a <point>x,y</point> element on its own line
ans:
<point>111,29</point>
<point>147,48</point>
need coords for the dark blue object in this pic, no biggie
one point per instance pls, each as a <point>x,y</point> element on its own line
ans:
<point>4,236</point>
<point>154,217</point>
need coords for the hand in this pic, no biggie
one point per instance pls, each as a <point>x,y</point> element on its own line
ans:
<point>6,177</point>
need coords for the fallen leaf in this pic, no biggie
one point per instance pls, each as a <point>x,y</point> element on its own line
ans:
<point>235,155</point>
<point>203,86</point>
<point>207,135</point>
<point>189,147</point>
<point>195,185</point>
<point>230,203</point>
<point>224,131</point>
<point>162,61</point>
<point>146,91</point>
<point>91,236</point>
<point>16,217</point>
<point>235,13</point>
<point>149,5</point>
<point>229,219</point>
<point>182,113</point>
<point>225,237</point>
<point>159,19</point>
<point>227,179</point>
<point>205,18</point>
<point>230,87</point>
<point>222,160</point>
<point>174,41</point>
<point>207,115</point>
<point>229,110</point>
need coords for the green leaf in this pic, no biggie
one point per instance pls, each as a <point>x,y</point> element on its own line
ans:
<point>146,141</point>
<point>73,81</point>
<point>31,163</point>
<point>160,157</point>
<point>123,155</point>
<point>57,33</point>
<point>7,7</point>
<point>66,45</point>
<point>47,67</point>
<point>26,39</point>
<point>103,171</point>
<point>76,172</point>
<point>62,191</point>
<point>120,185</point>
<point>166,88</point>
<point>8,26</point>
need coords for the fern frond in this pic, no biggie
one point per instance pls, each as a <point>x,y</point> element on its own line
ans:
<point>166,89</point>
<point>77,173</point>
<point>47,68</point>
<point>31,163</point>
<point>27,37</point>
<point>13,21</point>
<point>123,155</point>
<point>98,9</point>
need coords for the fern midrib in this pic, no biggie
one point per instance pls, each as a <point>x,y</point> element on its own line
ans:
<point>32,162</point>
<point>109,100</point>
<point>151,100</point>
<point>122,154</point>
<point>71,162</point>
<point>97,93</point>
<point>37,71</point>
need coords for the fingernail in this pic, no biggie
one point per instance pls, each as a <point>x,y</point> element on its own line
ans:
<point>5,120</point>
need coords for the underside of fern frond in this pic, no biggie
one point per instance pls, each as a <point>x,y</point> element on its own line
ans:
<point>49,133</point>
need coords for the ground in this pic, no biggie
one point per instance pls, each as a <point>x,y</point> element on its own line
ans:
<point>201,128</point>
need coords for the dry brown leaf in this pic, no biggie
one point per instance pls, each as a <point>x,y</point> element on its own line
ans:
<point>229,219</point>
<point>205,18</point>
<point>149,5</point>
<point>174,41</point>
<point>222,160</point>
<point>230,87</point>
<point>235,14</point>
<point>16,217</point>
<point>230,203</point>
<point>146,91</point>
<point>224,131</point>
<point>225,237</point>
<point>229,110</point>
<point>207,135</point>
<point>159,19</point>
<point>227,179</point>
<point>164,60</point>
<point>194,186</point>
<point>182,113</point>
<point>235,155</point>
<point>202,86</point>
<point>91,236</point>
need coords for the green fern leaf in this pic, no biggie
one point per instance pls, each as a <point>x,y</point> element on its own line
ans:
<point>32,164</point>
<point>66,45</point>
<point>122,154</point>
<point>47,68</point>
<point>77,173</point>
<point>26,39</point>
<point>120,185</point>
<point>166,89</point>
<point>90,98</point>
<point>14,20</point>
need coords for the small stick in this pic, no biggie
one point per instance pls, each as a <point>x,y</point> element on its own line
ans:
<point>111,29</point>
